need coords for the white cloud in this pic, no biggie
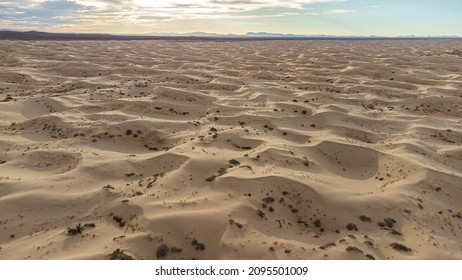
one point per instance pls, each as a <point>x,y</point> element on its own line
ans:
<point>338,12</point>
<point>226,5</point>
<point>98,4</point>
<point>65,13</point>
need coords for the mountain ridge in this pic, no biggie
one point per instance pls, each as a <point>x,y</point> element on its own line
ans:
<point>6,34</point>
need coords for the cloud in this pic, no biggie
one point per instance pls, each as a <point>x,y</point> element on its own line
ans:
<point>329,12</point>
<point>227,5</point>
<point>39,15</point>
<point>98,4</point>
<point>151,18</point>
<point>55,13</point>
<point>61,5</point>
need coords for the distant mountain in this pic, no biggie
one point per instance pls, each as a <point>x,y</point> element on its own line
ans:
<point>6,34</point>
<point>37,35</point>
<point>203,34</point>
<point>193,34</point>
<point>279,35</point>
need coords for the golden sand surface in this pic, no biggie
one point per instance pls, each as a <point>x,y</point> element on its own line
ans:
<point>231,150</point>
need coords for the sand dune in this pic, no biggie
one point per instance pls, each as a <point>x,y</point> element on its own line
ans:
<point>231,150</point>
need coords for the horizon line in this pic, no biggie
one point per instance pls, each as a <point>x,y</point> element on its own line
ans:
<point>255,35</point>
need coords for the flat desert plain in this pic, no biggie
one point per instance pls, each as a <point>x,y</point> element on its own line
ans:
<point>231,150</point>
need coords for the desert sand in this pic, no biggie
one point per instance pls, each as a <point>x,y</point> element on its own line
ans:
<point>231,150</point>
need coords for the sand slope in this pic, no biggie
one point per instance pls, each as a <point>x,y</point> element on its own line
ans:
<point>231,150</point>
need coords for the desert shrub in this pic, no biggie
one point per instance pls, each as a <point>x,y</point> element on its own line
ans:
<point>119,254</point>
<point>77,229</point>
<point>351,227</point>
<point>162,251</point>
<point>400,247</point>
<point>365,218</point>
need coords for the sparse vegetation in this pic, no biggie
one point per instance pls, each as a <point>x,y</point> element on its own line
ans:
<point>354,249</point>
<point>176,250</point>
<point>162,251</point>
<point>369,243</point>
<point>220,172</point>
<point>268,127</point>
<point>198,245</point>
<point>233,222</point>
<point>328,245</point>
<point>234,162</point>
<point>243,148</point>
<point>77,229</point>
<point>389,222</point>
<point>210,178</point>
<point>317,223</point>
<point>119,254</point>
<point>366,219</point>
<point>352,227</point>
<point>400,247</point>
<point>260,213</point>
<point>370,257</point>
<point>119,220</point>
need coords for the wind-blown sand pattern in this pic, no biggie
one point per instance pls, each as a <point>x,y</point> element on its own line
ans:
<point>231,150</point>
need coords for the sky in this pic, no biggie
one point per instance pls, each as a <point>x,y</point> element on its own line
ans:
<point>308,17</point>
